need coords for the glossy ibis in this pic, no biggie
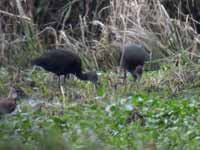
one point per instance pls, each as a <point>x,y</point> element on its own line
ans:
<point>8,105</point>
<point>133,60</point>
<point>64,62</point>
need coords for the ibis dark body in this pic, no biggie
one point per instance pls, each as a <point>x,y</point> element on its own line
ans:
<point>133,60</point>
<point>7,105</point>
<point>64,62</point>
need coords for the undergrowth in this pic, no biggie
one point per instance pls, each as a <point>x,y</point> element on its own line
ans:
<point>97,118</point>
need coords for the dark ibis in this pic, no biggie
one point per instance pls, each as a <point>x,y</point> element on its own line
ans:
<point>133,60</point>
<point>8,104</point>
<point>64,62</point>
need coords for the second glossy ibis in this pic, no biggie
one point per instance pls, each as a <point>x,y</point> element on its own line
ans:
<point>8,104</point>
<point>134,56</point>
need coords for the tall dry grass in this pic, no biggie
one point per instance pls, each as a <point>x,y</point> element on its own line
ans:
<point>150,25</point>
<point>25,30</point>
<point>173,41</point>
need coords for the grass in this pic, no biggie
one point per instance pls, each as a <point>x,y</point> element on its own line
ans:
<point>167,99</point>
<point>98,119</point>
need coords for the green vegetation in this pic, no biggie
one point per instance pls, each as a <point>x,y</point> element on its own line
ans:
<point>163,107</point>
<point>93,119</point>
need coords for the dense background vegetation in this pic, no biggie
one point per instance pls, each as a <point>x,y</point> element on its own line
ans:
<point>81,117</point>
